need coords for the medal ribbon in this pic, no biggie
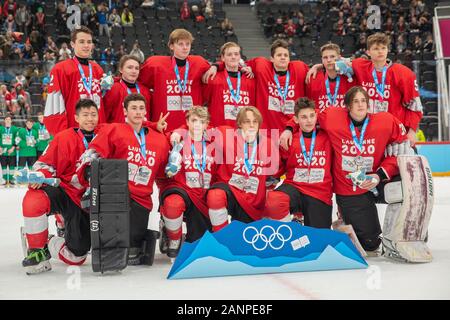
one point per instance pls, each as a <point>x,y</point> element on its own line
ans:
<point>359,143</point>
<point>307,157</point>
<point>87,86</point>
<point>235,94</point>
<point>129,90</point>
<point>142,144</point>
<point>282,93</point>
<point>332,99</point>
<point>194,154</point>
<point>181,84</point>
<point>380,86</point>
<point>249,164</point>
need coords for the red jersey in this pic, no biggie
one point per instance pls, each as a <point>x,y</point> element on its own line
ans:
<point>401,93</point>
<point>382,129</point>
<point>113,100</point>
<point>248,188</point>
<point>190,178</point>
<point>314,180</point>
<point>118,141</point>
<point>316,90</point>
<point>66,87</point>
<point>275,110</point>
<point>59,160</point>
<point>221,104</point>
<point>158,74</point>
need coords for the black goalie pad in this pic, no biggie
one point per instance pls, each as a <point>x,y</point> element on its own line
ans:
<point>109,215</point>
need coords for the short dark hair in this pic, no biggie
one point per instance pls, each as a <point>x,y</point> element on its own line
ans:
<point>84,103</point>
<point>351,94</point>
<point>278,44</point>
<point>29,120</point>
<point>133,97</point>
<point>80,29</point>
<point>303,103</point>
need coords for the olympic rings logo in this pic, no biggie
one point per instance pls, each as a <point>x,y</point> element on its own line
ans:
<point>267,236</point>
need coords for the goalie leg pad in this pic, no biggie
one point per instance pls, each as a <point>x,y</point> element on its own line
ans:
<point>109,215</point>
<point>408,214</point>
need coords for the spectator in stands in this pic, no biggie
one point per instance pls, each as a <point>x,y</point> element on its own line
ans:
<point>28,51</point>
<point>350,27</point>
<point>417,46</point>
<point>290,28</point>
<point>388,27</point>
<point>121,52</point>
<point>148,4</point>
<point>108,60</point>
<point>198,16</point>
<point>61,17</point>
<point>65,50</point>
<point>36,40</point>
<point>51,46</point>
<point>114,19</point>
<point>19,78</point>
<point>346,9</point>
<point>424,24</point>
<point>268,25</point>
<point>23,19</point>
<point>395,8</point>
<point>414,26</point>
<point>428,45</point>
<point>278,29</point>
<point>302,27</point>
<point>339,28</point>
<point>363,26</point>
<point>49,61</point>
<point>2,55</point>
<point>64,56</point>
<point>127,18</point>
<point>39,19</point>
<point>401,26</point>
<point>401,44</point>
<point>10,24</point>
<point>137,52</point>
<point>102,18</point>
<point>227,28</point>
<point>9,7</point>
<point>185,12</point>
<point>5,98</point>
<point>208,8</point>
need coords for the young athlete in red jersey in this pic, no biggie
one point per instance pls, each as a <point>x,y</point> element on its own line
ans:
<point>175,80</point>
<point>72,80</point>
<point>307,165</point>
<point>392,87</point>
<point>59,160</point>
<point>184,194</point>
<point>328,88</point>
<point>249,155</point>
<point>229,90</point>
<point>123,86</point>
<point>146,151</point>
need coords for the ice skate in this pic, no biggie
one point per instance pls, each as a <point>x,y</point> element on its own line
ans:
<point>37,261</point>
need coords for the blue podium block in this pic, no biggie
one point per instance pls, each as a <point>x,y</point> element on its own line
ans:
<point>265,246</point>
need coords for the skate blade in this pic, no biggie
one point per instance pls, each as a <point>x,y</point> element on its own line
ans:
<point>40,268</point>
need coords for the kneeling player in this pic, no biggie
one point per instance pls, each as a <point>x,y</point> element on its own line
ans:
<point>40,201</point>
<point>249,157</point>
<point>307,165</point>
<point>146,151</point>
<point>183,197</point>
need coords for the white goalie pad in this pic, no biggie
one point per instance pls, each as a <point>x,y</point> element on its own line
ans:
<point>409,211</point>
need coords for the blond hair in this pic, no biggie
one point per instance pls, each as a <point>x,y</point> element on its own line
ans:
<point>179,34</point>
<point>242,115</point>
<point>228,45</point>
<point>199,111</point>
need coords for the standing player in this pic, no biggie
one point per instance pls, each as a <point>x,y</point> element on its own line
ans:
<point>229,91</point>
<point>392,87</point>
<point>328,88</point>
<point>43,136</point>
<point>124,85</point>
<point>40,201</point>
<point>8,151</point>
<point>184,195</point>
<point>307,165</point>
<point>249,157</point>
<point>26,140</point>
<point>71,80</point>
<point>175,80</point>
<point>146,151</point>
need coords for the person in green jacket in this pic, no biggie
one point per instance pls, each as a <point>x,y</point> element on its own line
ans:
<point>44,136</point>
<point>26,140</point>
<point>8,134</point>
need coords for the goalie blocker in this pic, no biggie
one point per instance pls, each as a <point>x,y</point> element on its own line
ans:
<point>109,215</point>
<point>410,203</point>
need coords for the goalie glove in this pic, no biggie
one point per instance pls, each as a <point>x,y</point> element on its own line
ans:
<point>25,176</point>
<point>174,163</point>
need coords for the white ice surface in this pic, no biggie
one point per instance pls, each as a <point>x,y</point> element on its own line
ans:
<point>384,279</point>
